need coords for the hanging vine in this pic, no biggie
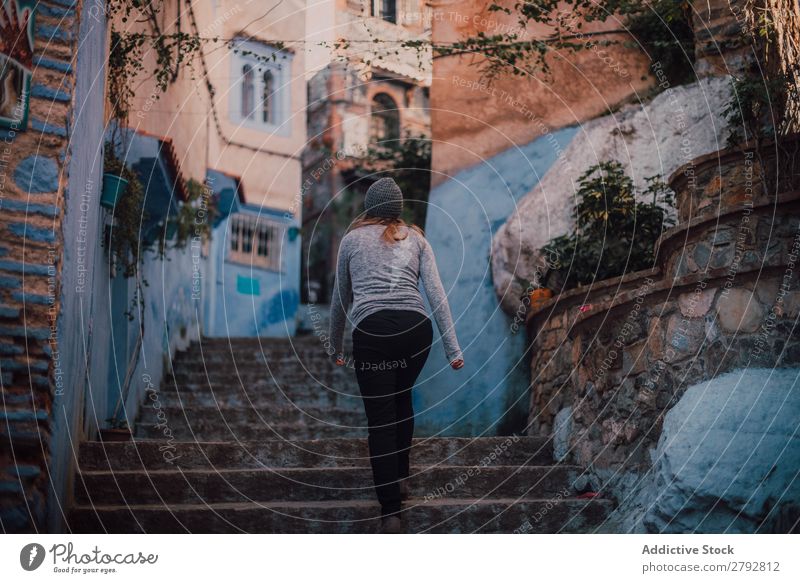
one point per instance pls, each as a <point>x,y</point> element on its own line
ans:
<point>133,51</point>
<point>139,52</point>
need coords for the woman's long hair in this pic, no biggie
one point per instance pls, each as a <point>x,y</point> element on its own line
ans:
<point>392,231</point>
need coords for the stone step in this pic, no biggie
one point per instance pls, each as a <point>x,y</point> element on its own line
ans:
<point>260,384</point>
<point>249,376</point>
<point>293,349</point>
<point>258,341</point>
<point>238,433</point>
<point>444,515</point>
<point>454,451</point>
<point>202,417</point>
<point>270,355</point>
<point>309,484</point>
<point>272,358</point>
<point>238,341</point>
<point>260,397</point>
<point>308,359</point>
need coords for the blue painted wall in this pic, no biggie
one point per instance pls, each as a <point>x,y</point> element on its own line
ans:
<point>173,316</point>
<point>172,313</point>
<point>490,394</point>
<point>243,300</point>
<point>81,233</point>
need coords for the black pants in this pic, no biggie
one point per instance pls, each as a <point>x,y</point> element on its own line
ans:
<point>390,348</point>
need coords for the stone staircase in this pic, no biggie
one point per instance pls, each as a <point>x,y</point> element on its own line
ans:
<point>268,436</point>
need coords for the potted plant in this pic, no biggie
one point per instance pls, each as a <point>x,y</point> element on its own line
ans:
<point>535,295</point>
<point>117,430</point>
<point>539,296</point>
<point>171,229</point>
<point>114,182</point>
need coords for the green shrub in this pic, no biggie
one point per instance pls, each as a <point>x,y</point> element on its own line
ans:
<point>614,232</point>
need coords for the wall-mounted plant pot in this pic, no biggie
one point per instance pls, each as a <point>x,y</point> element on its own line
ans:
<point>540,293</point>
<point>113,188</point>
<point>117,434</point>
<point>172,229</point>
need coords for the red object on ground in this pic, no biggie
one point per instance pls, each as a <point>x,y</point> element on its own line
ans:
<point>587,495</point>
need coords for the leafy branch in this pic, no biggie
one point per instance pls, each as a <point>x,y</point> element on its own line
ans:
<point>661,28</point>
<point>130,50</point>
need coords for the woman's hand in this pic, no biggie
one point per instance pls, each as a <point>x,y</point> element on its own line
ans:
<point>457,364</point>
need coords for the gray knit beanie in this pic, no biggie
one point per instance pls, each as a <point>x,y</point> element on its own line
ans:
<point>384,199</point>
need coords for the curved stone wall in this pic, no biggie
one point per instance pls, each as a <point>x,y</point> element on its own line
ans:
<point>609,360</point>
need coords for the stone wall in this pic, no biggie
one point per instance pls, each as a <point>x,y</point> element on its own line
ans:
<point>611,359</point>
<point>32,186</point>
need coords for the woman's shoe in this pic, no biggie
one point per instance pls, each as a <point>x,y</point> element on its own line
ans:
<point>404,488</point>
<point>391,525</point>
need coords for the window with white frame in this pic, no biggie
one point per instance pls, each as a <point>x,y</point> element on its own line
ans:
<point>260,95</point>
<point>255,241</point>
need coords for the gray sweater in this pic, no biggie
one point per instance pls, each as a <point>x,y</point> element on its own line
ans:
<point>375,275</point>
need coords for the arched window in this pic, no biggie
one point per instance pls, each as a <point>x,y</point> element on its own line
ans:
<point>248,92</point>
<point>260,98</point>
<point>268,103</point>
<point>385,118</point>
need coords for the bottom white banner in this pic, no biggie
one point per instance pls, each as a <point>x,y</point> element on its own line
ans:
<point>370,558</point>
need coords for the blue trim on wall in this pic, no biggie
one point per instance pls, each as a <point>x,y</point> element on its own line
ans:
<point>48,128</point>
<point>55,11</point>
<point>55,65</point>
<point>31,233</point>
<point>47,210</point>
<point>248,286</point>
<point>273,214</point>
<point>21,267</point>
<point>52,33</point>
<point>50,93</point>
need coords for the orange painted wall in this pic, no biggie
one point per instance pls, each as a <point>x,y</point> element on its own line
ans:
<point>472,119</point>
